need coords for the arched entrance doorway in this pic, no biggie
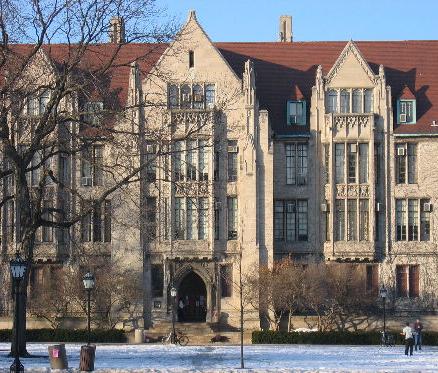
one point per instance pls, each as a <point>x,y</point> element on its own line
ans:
<point>192,299</point>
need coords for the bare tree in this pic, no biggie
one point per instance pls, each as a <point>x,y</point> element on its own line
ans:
<point>277,291</point>
<point>59,101</point>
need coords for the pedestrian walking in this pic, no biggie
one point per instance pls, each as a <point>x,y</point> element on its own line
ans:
<point>418,328</point>
<point>409,339</point>
<point>181,306</point>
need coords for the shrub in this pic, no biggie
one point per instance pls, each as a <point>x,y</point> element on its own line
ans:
<point>333,337</point>
<point>68,335</point>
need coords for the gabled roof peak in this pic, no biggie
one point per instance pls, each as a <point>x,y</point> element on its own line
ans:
<point>406,93</point>
<point>296,93</point>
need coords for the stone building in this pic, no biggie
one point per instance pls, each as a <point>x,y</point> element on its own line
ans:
<point>313,150</point>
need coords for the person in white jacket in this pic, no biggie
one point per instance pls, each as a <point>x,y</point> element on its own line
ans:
<point>409,339</point>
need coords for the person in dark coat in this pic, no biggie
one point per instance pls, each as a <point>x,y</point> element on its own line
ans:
<point>418,329</point>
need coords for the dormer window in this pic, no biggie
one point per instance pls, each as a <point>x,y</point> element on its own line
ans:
<point>406,111</point>
<point>296,113</point>
<point>93,112</point>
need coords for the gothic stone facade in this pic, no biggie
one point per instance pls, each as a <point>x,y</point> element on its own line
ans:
<point>313,150</point>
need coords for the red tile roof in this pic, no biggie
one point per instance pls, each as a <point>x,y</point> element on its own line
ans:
<point>280,65</point>
<point>284,70</point>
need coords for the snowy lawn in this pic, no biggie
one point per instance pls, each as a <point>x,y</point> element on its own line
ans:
<point>258,358</point>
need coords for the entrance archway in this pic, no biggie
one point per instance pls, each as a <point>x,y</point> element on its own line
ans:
<point>192,299</point>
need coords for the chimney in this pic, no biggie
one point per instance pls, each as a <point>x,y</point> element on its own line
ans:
<point>117,30</point>
<point>285,29</point>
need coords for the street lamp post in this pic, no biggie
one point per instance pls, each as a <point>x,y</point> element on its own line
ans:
<point>173,295</point>
<point>383,295</point>
<point>89,281</point>
<point>18,268</point>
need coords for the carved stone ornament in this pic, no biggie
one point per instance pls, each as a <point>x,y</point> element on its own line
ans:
<point>195,117</point>
<point>344,121</point>
<point>352,191</point>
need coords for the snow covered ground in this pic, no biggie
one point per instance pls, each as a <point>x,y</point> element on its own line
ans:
<point>258,358</point>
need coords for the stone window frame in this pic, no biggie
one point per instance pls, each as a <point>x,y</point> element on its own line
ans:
<point>347,147</point>
<point>350,214</point>
<point>198,95</point>
<point>333,97</point>
<point>297,163</point>
<point>406,170</point>
<point>293,207</point>
<point>407,280</point>
<point>409,211</point>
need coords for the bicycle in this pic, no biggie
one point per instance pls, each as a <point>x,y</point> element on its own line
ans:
<point>387,339</point>
<point>180,338</point>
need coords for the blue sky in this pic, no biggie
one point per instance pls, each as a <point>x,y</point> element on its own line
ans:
<point>257,20</point>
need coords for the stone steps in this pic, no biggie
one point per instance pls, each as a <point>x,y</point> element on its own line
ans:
<point>198,333</point>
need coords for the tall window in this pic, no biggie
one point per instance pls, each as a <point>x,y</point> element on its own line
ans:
<point>157,280</point>
<point>64,169</point>
<point>226,274</point>
<point>296,163</point>
<point>216,221</point>
<point>291,220</point>
<point>363,220</point>
<point>96,226</point>
<point>352,220</point>
<point>412,219</point>
<point>191,152</point>
<point>352,160</point>
<point>327,163</point>
<point>179,226</point>
<point>178,168</point>
<point>232,217</point>
<point>198,97</point>
<point>36,103</point>
<point>340,220</point>
<point>377,162</point>
<point>203,219</point>
<point>425,220</point>
<point>92,166</point>
<point>232,160</point>
<point>279,220</point>
<point>151,163</point>
<point>332,101</point>
<point>345,101</point>
<point>186,97</point>
<point>339,163</point>
<point>296,113</point>
<point>368,100</point>
<point>363,163</point>
<point>400,218</point>
<point>93,113</point>
<point>372,279</point>
<point>210,93</point>
<point>191,219</point>
<point>173,96</point>
<point>357,101</point>
<point>412,163</point>
<point>406,111</point>
<point>407,281</point>
<point>203,160</point>
<point>47,231</point>
<point>358,224</point>
<point>151,218</point>
<point>406,163</point>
